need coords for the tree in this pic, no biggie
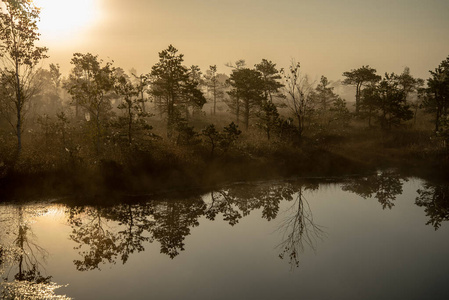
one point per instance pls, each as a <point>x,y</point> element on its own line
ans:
<point>20,56</point>
<point>298,94</point>
<point>324,94</point>
<point>392,102</point>
<point>247,88</point>
<point>173,84</point>
<point>270,77</point>
<point>214,84</point>
<point>91,86</point>
<point>359,77</point>
<point>224,139</point>
<point>195,99</point>
<point>437,100</point>
<point>268,117</point>
<point>131,105</point>
<point>141,85</point>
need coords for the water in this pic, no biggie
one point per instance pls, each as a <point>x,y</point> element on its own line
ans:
<point>376,237</point>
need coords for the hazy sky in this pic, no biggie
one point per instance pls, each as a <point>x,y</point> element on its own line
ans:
<point>327,37</point>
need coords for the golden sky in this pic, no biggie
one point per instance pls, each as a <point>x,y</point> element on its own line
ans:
<point>327,37</point>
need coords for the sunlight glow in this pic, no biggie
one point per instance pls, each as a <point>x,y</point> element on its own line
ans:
<point>61,19</point>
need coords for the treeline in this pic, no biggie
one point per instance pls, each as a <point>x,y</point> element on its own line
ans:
<point>178,118</point>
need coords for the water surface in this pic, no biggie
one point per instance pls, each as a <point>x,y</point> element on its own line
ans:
<point>374,237</point>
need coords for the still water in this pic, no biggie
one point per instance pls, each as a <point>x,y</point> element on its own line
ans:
<point>374,237</point>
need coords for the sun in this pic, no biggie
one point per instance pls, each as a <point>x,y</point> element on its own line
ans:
<point>64,19</point>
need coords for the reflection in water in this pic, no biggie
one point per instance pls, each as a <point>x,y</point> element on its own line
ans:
<point>385,186</point>
<point>106,234</point>
<point>435,199</point>
<point>22,257</point>
<point>111,234</point>
<point>298,228</point>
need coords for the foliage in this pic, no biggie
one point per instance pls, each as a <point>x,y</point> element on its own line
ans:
<point>131,105</point>
<point>221,139</point>
<point>437,100</point>
<point>247,90</point>
<point>359,77</point>
<point>91,86</point>
<point>174,86</point>
<point>20,56</point>
<point>271,77</point>
<point>268,117</point>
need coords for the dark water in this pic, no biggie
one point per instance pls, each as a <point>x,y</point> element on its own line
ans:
<point>374,237</point>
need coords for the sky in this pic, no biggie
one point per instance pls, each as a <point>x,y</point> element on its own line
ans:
<point>328,37</point>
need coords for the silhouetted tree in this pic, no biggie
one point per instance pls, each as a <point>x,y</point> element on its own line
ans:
<point>437,100</point>
<point>172,83</point>
<point>20,56</point>
<point>247,87</point>
<point>390,100</point>
<point>359,77</point>
<point>271,77</point>
<point>131,105</point>
<point>298,95</point>
<point>268,118</point>
<point>91,86</point>
<point>324,94</point>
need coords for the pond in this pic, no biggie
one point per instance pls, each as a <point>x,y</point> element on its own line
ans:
<point>380,236</point>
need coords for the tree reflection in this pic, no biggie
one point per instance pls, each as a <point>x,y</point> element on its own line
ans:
<point>435,199</point>
<point>173,220</point>
<point>22,256</point>
<point>90,228</point>
<point>239,200</point>
<point>108,234</point>
<point>298,227</point>
<point>111,234</point>
<point>385,186</point>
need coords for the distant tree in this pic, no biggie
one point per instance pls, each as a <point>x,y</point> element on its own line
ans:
<point>213,83</point>
<point>223,139</point>
<point>271,77</point>
<point>91,86</point>
<point>173,84</point>
<point>247,87</point>
<point>141,86</point>
<point>20,56</point>
<point>324,94</point>
<point>298,93</point>
<point>194,96</point>
<point>369,102</point>
<point>340,113</point>
<point>47,99</point>
<point>268,117</point>
<point>437,98</point>
<point>392,102</point>
<point>359,77</point>
<point>131,105</point>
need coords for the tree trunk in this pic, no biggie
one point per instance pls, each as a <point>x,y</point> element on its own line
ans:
<point>19,112</point>
<point>130,120</point>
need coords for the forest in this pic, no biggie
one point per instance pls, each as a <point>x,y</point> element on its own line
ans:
<point>103,129</point>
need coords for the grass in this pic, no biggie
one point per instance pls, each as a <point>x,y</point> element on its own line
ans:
<point>47,168</point>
